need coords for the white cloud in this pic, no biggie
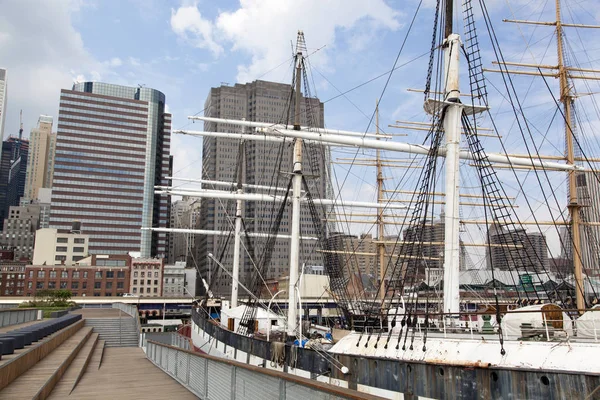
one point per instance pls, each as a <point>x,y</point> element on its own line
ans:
<point>187,22</point>
<point>134,61</point>
<point>41,62</point>
<point>114,62</point>
<point>246,30</point>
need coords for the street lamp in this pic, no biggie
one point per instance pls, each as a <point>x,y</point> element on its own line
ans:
<point>269,310</point>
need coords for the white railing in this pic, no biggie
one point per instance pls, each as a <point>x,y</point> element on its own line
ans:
<point>213,378</point>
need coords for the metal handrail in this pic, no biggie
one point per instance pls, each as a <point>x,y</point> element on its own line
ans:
<point>203,374</point>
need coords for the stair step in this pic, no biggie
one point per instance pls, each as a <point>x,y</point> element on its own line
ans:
<point>40,379</point>
<point>75,371</point>
<point>97,356</point>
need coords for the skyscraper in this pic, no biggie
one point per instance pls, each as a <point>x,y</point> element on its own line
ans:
<point>3,91</point>
<point>13,162</point>
<point>263,102</point>
<point>517,250</point>
<point>40,162</point>
<point>112,148</point>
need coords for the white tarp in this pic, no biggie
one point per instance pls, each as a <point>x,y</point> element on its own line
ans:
<point>511,322</point>
<point>588,325</point>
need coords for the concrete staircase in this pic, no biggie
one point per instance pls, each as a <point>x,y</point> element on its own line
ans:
<point>115,332</point>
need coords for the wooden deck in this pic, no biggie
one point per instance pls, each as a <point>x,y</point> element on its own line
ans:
<point>125,373</point>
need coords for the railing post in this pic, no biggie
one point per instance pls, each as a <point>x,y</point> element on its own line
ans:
<point>206,379</point>
<point>281,389</point>
<point>233,372</point>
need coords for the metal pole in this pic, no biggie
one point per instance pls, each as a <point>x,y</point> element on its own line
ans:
<point>236,253</point>
<point>452,127</point>
<point>297,188</point>
<point>380,211</point>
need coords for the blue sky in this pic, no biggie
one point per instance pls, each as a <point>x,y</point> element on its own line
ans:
<point>184,48</point>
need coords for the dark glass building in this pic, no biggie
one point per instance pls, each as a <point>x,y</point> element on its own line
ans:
<point>13,169</point>
<point>112,148</point>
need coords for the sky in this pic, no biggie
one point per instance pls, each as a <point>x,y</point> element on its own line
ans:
<point>183,48</point>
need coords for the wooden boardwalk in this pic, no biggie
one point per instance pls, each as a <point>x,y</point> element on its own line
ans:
<point>125,373</point>
<point>18,326</point>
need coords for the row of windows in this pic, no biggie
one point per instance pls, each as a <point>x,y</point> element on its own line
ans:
<point>79,138</point>
<point>148,282</point>
<point>106,229</point>
<point>74,285</point>
<point>106,120</point>
<point>143,274</point>
<point>80,195</point>
<point>90,169</point>
<point>64,249</point>
<point>141,118</point>
<point>135,290</point>
<point>105,185</point>
<point>93,137</point>
<point>94,206</point>
<point>112,101</point>
<point>115,156</point>
<point>66,240</point>
<point>91,125</point>
<point>65,101</point>
<point>77,274</point>
<point>91,177</point>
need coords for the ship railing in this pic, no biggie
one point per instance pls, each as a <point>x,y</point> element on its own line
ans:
<point>558,324</point>
<point>210,377</point>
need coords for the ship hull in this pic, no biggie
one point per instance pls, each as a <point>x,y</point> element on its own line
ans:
<point>403,376</point>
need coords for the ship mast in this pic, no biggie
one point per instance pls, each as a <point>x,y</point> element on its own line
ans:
<point>380,211</point>
<point>296,193</point>
<point>452,127</point>
<point>574,206</point>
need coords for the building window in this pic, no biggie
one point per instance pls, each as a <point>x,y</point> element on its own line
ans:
<point>108,294</point>
<point>143,275</point>
<point>30,274</point>
<point>60,258</point>
<point>75,274</point>
<point>62,249</point>
<point>110,274</point>
<point>41,274</point>
<point>96,294</point>
<point>156,274</point>
<point>141,290</point>
<point>29,285</point>
<point>135,281</point>
<point>84,285</point>
<point>119,285</point>
<point>74,285</point>
<point>64,274</point>
<point>97,285</point>
<point>62,240</point>
<point>52,285</point>
<point>98,275</point>
<point>39,285</point>
<point>149,282</point>
<point>120,274</point>
<point>134,290</point>
<point>108,285</point>
<point>77,258</point>
<point>63,284</point>
<point>155,290</point>
<point>78,249</point>
<point>85,274</point>
<point>52,274</point>
<point>135,274</point>
<point>156,281</point>
<point>78,241</point>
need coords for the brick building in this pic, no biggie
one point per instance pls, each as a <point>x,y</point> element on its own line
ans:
<point>95,276</point>
<point>12,278</point>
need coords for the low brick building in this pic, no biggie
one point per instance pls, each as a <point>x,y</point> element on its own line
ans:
<point>95,276</point>
<point>12,278</point>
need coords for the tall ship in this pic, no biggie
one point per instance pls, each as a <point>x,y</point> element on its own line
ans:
<point>468,299</point>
